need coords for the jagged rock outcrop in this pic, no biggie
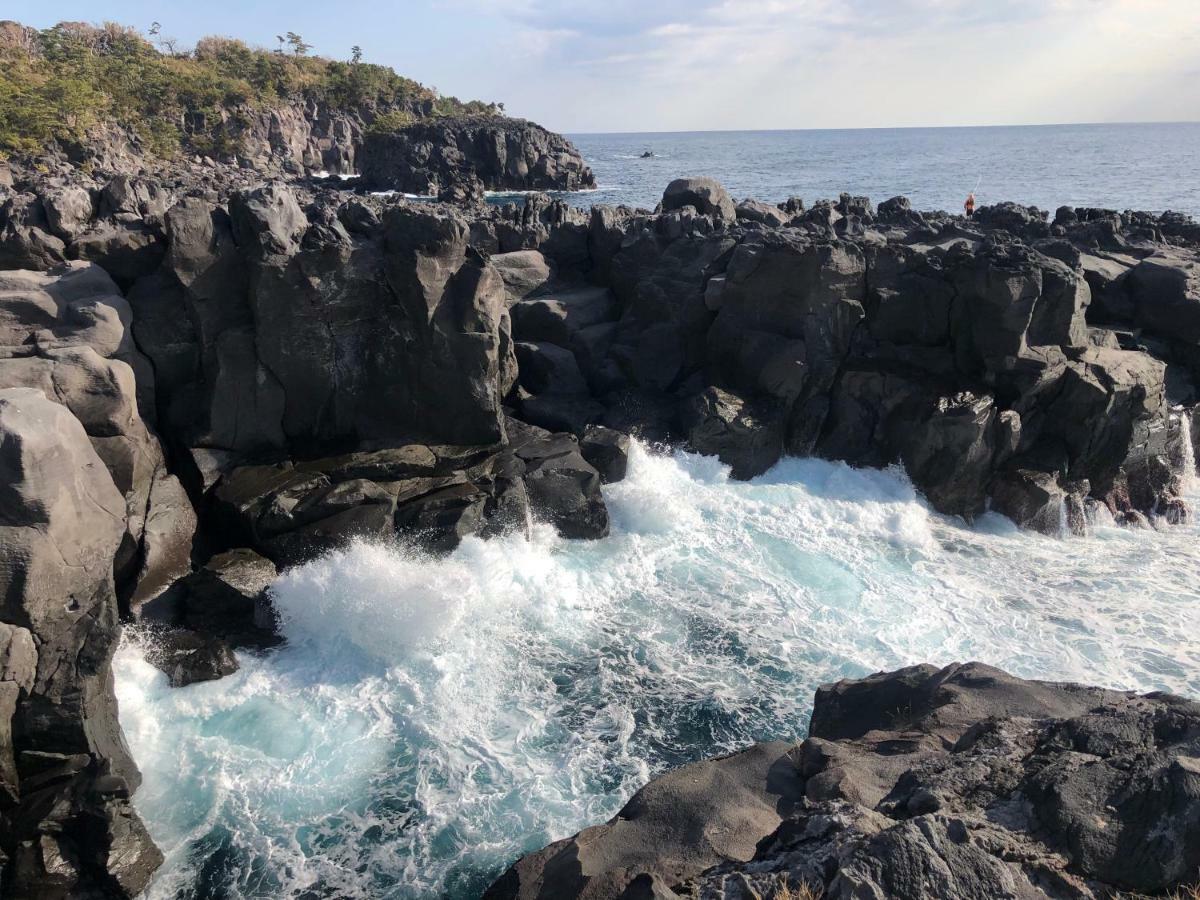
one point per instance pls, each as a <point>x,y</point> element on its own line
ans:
<point>962,782</point>
<point>301,334</point>
<point>67,334</point>
<point>476,153</point>
<point>66,825</point>
<point>962,350</point>
<point>263,372</point>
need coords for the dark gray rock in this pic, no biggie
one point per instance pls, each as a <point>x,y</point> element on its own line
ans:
<point>950,451</point>
<point>757,211</point>
<point>547,368</point>
<point>660,280</point>
<point>64,520</point>
<point>961,782</point>
<point>746,434</point>
<point>524,272</point>
<point>126,252</point>
<point>676,827</point>
<point>497,152</point>
<point>560,315</point>
<point>788,312</point>
<point>572,413</point>
<point>187,657</point>
<point>227,598</point>
<point>25,238</point>
<point>441,516</point>
<point>1032,498</point>
<point>68,210</point>
<point>607,450</point>
<point>705,195</point>
<point>563,488</point>
<point>1165,289</point>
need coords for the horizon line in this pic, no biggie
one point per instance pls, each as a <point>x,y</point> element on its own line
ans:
<point>896,127</point>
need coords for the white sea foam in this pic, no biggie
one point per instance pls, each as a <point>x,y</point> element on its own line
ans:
<point>429,719</point>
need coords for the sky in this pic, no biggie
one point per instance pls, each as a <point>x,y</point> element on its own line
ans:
<point>688,65</point>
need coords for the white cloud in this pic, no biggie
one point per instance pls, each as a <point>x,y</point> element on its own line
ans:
<point>634,65</point>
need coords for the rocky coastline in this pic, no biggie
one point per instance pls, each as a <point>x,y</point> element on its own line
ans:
<point>458,160</point>
<point>956,783</point>
<point>210,372</point>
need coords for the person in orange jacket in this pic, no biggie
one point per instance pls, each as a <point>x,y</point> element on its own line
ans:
<point>969,206</point>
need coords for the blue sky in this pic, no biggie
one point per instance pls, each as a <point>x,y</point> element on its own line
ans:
<point>661,65</point>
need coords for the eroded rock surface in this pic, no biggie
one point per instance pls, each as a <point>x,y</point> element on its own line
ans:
<point>68,828</point>
<point>264,371</point>
<point>962,782</point>
<point>472,154</point>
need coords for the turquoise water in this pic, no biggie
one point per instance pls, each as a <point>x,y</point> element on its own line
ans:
<point>1143,166</point>
<point>429,720</point>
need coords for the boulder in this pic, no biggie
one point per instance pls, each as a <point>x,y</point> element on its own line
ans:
<point>559,316</point>
<point>292,513</point>
<point>746,434</point>
<point>1104,409</point>
<point>25,238</point>
<point>440,513</point>
<point>547,368</point>
<point>127,252</point>
<point>1107,275</point>
<point>676,827</point>
<point>705,195</point>
<point>68,210</point>
<point>267,221</point>
<point>870,413</point>
<point>1013,298</point>
<point>910,299</point>
<point>1026,221</point>
<point>606,450</point>
<point>227,598</point>
<point>1032,498</point>
<point>66,333</point>
<point>573,413</point>
<point>1165,289</point>
<point>949,452</point>
<point>563,488</point>
<point>524,273</point>
<point>187,657</point>
<point>763,213</point>
<point>74,305</point>
<point>660,279</point>
<point>167,538</point>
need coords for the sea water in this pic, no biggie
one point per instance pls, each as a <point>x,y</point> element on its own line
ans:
<point>430,719</point>
<point>1132,166</point>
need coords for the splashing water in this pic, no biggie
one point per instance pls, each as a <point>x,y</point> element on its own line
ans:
<point>430,719</point>
<point>1189,481</point>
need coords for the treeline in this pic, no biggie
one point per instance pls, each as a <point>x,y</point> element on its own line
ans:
<point>57,83</point>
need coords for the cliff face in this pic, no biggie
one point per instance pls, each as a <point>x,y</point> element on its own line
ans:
<point>203,378</point>
<point>473,154</point>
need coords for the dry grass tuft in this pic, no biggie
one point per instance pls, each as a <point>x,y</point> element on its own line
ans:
<point>804,891</point>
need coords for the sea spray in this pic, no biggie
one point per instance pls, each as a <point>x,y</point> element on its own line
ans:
<point>1189,482</point>
<point>431,718</point>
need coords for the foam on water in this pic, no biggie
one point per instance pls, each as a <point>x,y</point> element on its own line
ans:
<point>429,719</point>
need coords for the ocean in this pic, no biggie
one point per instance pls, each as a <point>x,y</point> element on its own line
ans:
<point>1152,167</point>
<point>430,719</point>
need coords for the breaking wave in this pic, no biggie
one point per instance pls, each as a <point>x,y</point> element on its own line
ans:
<point>430,719</point>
